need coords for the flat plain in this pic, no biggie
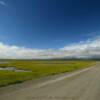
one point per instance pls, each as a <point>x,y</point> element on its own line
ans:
<point>33,69</point>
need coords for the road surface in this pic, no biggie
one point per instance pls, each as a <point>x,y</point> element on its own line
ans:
<point>79,85</point>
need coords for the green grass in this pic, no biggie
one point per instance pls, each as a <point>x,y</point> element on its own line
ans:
<point>38,68</point>
<point>9,77</point>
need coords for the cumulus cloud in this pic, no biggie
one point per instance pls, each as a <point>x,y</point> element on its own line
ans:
<point>83,49</point>
<point>2,3</point>
<point>16,52</point>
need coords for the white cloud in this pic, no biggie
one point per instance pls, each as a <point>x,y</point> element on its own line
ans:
<point>86,49</point>
<point>2,3</point>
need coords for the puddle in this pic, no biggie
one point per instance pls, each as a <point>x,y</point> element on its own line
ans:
<point>3,62</point>
<point>12,69</point>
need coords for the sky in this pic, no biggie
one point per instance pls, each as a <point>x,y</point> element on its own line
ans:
<point>38,29</point>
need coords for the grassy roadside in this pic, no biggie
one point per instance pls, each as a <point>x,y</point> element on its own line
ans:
<point>38,69</point>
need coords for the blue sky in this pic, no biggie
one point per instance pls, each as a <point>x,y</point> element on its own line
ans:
<point>48,24</point>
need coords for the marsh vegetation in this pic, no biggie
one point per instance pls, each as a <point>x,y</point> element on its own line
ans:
<point>32,69</point>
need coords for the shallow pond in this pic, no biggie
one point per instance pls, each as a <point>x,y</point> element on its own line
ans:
<point>3,62</point>
<point>12,69</point>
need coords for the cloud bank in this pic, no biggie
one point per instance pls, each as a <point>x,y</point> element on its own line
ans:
<point>83,49</point>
